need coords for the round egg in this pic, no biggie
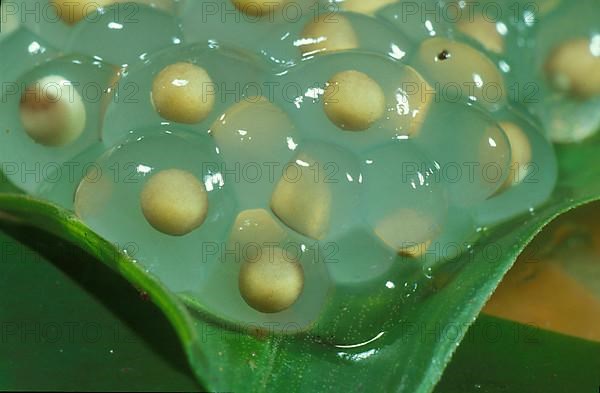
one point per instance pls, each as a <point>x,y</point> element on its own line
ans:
<point>412,98</point>
<point>520,149</point>
<point>174,202</point>
<point>302,202</point>
<point>73,11</point>
<point>10,20</point>
<point>365,7</point>
<point>181,93</point>
<point>406,200</point>
<point>574,67</point>
<point>52,111</point>
<point>272,282</point>
<point>461,73</point>
<point>353,101</point>
<point>257,8</point>
<point>483,30</point>
<point>328,33</point>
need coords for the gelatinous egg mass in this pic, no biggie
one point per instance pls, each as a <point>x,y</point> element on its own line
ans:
<point>308,167</point>
<point>174,202</point>
<point>520,149</point>
<point>473,156</point>
<point>112,35</point>
<point>409,202</point>
<point>73,11</point>
<point>461,72</point>
<point>52,111</point>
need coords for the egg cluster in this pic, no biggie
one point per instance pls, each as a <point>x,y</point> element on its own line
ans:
<point>303,165</point>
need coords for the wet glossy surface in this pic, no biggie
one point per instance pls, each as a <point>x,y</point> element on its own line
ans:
<point>368,214</point>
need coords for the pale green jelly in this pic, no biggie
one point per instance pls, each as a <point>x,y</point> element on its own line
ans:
<point>218,292</point>
<point>301,92</point>
<point>40,17</point>
<point>416,20</point>
<point>235,73</point>
<point>536,178</point>
<point>565,118</point>
<point>532,30</point>
<point>472,152</point>
<point>221,23</point>
<point>114,34</point>
<point>292,43</point>
<point>375,218</point>
<point>32,166</point>
<point>108,200</point>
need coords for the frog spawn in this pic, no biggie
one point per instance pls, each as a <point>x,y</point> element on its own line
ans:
<point>54,113</point>
<point>331,31</point>
<point>409,217</point>
<point>452,65</point>
<point>559,91</point>
<point>72,12</point>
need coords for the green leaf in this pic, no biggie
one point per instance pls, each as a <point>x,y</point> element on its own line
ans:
<point>409,357</point>
<point>502,356</point>
<point>69,322</point>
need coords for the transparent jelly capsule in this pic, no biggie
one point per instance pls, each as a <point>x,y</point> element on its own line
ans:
<point>471,150</point>
<point>400,212</point>
<point>266,279</point>
<point>360,312</point>
<point>60,180</point>
<point>404,198</point>
<point>503,31</point>
<point>495,26</point>
<point>156,192</point>
<point>484,31</point>
<point>256,140</point>
<point>317,192</point>
<point>226,76</point>
<point>356,100</point>
<point>377,266</point>
<point>27,51</point>
<point>10,18</point>
<point>363,271</point>
<point>568,95</point>
<point>568,121</point>
<point>112,34</point>
<point>416,20</point>
<point>72,12</point>
<point>412,99</point>
<point>458,234</point>
<point>334,31</point>
<point>40,16</point>
<point>532,176</point>
<point>365,7</point>
<point>56,114</point>
<point>244,24</point>
<point>460,72</point>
